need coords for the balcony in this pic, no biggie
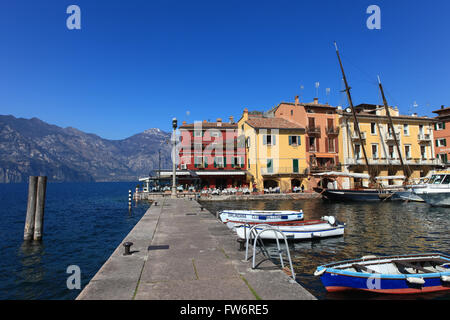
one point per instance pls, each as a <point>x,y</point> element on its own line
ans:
<point>324,168</point>
<point>390,136</point>
<point>281,171</point>
<point>355,136</point>
<point>421,137</point>
<point>313,130</point>
<point>332,131</point>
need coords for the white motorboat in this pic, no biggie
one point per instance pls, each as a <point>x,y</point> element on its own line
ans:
<point>311,229</point>
<point>235,217</point>
<point>437,191</point>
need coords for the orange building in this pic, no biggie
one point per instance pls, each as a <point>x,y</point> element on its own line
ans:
<point>442,135</point>
<point>322,130</point>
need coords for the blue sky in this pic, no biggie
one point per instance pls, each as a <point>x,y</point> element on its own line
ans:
<point>136,64</point>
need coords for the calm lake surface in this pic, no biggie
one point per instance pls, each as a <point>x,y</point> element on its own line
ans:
<point>84,223</point>
<point>385,228</point>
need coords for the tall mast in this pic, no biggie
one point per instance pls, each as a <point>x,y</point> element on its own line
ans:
<point>406,170</point>
<point>355,118</point>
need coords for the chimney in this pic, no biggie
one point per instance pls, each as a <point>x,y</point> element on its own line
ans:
<point>204,121</point>
<point>296,101</point>
<point>442,107</point>
<point>184,123</point>
<point>245,114</point>
<point>219,122</point>
<point>231,119</point>
<point>316,100</point>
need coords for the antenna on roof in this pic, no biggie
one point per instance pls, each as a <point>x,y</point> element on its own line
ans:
<point>327,92</point>
<point>317,89</point>
<point>301,92</point>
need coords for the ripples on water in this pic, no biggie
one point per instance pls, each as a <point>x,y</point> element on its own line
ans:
<point>385,228</point>
<point>83,224</point>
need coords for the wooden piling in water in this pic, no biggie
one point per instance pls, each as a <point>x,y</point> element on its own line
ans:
<point>40,207</point>
<point>31,209</point>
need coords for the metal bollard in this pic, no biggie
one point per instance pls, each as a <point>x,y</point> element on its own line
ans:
<point>155,203</point>
<point>241,244</point>
<point>127,246</point>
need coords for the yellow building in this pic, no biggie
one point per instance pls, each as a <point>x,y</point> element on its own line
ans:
<point>276,153</point>
<point>414,134</point>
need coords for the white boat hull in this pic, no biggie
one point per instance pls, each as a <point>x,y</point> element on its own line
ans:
<point>297,232</point>
<point>437,199</point>
<point>244,216</point>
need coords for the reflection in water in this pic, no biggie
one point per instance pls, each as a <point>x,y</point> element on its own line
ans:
<point>31,270</point>
<point>385,228</point>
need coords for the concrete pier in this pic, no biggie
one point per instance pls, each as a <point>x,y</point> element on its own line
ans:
<point>181,252</point>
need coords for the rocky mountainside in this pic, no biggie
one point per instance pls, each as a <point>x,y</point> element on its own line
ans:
<point>33,147</point>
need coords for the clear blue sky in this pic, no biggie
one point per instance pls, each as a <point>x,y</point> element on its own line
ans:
<point>136,64</point>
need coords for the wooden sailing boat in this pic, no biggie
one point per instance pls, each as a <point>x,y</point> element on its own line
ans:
<point>375,192</point>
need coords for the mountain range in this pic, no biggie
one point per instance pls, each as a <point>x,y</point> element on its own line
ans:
<point>33,147</point>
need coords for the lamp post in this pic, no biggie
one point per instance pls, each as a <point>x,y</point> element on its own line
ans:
<point>174,187</point>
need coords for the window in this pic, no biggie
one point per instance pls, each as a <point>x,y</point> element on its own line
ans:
<point>215,134</point>
<point>295,141</point>
<point>197,162</point>
<point>439,126</point>
<point>295,165</point>
<point>269,166</point>
<point>312,144</point>
<point>423,152</point>
<point>218,162</point>
<point>331,144</point>
<point>269,140</point>
<point>357,151</point>
<point>391,152</point>
<point>408,151</point>
<point>420,128</point>
<point>373,128</point>
<point>197,133</point>
<point>375,151</point>
<point>292,113</point>
<point>441,142</point>
<point>406,129</point>
<point>444,159</point>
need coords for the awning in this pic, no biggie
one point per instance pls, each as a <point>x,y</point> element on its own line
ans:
<point>325,155</point>
<point>390,177</point>
<point>221,173</point>
<point>343,174</point>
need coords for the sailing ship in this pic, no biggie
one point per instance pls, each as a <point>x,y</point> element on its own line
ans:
<point>375,191</point>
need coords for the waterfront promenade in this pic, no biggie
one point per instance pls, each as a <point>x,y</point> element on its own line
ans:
<point>182,252</point>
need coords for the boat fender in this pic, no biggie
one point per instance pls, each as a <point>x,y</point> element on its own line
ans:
<point>445,278</point>
<point>318,273</point>
<point>369,257</point>
<point>414,280</point>
<point>331,220</point>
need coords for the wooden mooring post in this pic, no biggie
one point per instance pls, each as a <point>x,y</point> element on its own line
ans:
<point>31,209</point>
<point>40,208</point>
<point>34,221</point>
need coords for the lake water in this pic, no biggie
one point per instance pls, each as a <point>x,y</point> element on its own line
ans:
<point>84,223</point>
<point>385,228</point>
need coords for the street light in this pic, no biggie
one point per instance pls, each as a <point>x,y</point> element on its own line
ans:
<point>174,187</point>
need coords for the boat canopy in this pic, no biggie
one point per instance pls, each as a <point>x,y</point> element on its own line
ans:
<point>390,177</point>
<point>342,174</point>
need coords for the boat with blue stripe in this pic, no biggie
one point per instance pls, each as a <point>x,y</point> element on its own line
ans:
<point>404,274</point>
<point>243,216</point>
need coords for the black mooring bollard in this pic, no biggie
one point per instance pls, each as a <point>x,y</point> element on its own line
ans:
<point>241,244</point>
<point>127,246</point>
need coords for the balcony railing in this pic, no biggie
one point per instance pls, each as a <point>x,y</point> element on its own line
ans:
<point>313,130</point>
<point>281,170</point>
<point>355,135</point>
<point>424,137</point>
<point>324,168</point>
<point>332,131</point>
<point>390,136</point>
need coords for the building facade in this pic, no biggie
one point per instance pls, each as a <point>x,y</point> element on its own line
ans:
<point>212,152</point>
<point>442,135</point>
<point>414,135</point>
<point>276,153</point>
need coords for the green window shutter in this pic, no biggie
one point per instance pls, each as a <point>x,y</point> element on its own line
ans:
<point>299,140</point>
<point>224,161</point>
<point>215,162</point>
<point>264,139</point>
<point>290,140</point>
<point>445,142</point>
<point>273,140</point>
<point>437,143</point>
<point>443,125</point>
<point>206,162</point>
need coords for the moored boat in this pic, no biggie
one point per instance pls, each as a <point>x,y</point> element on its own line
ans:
<point>404,274</point>
<point>243,216</point>
<point>310,229</point>
<point>437,191</point>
